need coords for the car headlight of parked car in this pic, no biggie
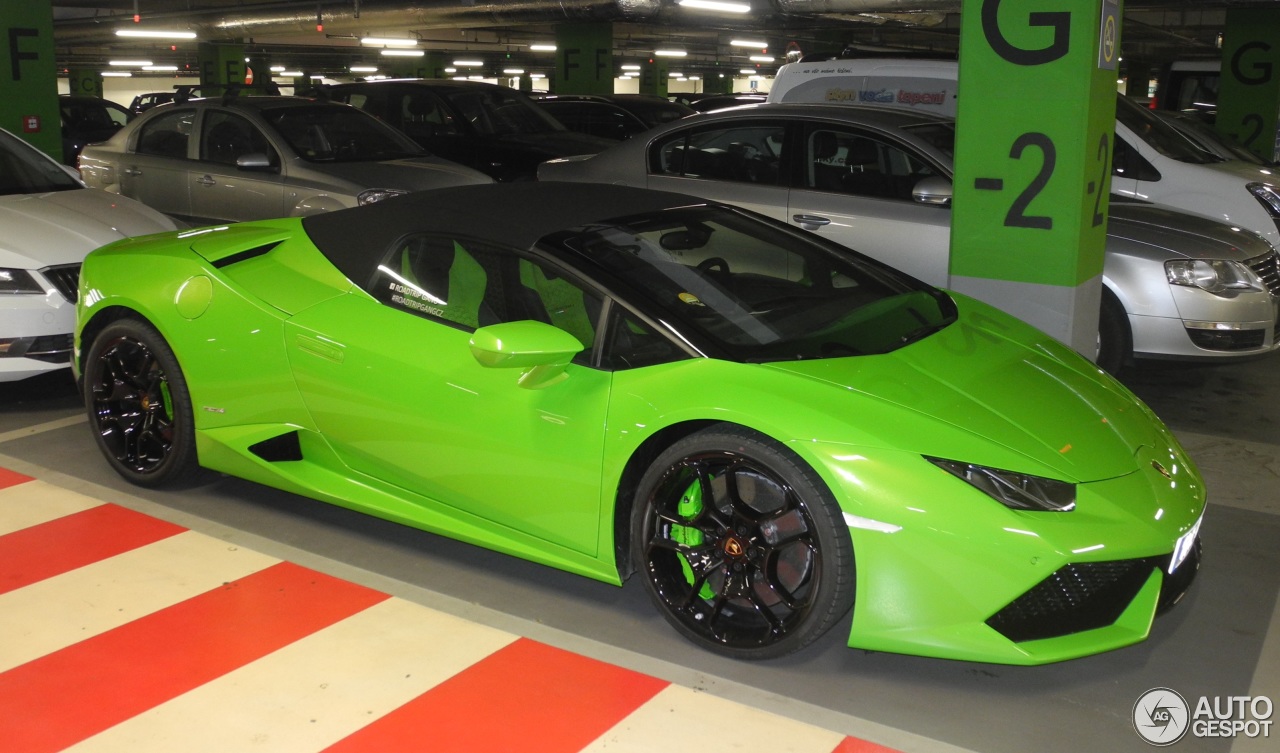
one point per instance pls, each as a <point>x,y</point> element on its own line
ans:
<point>1268,195</point>
<point>1017,491</point>
<point>378,194</point>
<point>18,281</point>
<point>1217,276</point>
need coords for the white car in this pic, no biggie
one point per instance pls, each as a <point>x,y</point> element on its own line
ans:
<point>49,221</point>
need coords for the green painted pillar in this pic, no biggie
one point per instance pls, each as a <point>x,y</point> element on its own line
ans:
<point>84,82</point>
<point>718,83</point>
<point>29,75</point>
<point>654,77</point>
<point>1249,91</point>
<point>584,59</point>
<point>220,66</point>
<point>1035,123</point>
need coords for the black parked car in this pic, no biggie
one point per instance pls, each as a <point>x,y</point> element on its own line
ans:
<point>494,129</point>
<point>597,116</point>
<point>87,120</point>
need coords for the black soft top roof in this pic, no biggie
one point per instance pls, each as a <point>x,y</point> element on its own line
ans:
<point>510,214</point>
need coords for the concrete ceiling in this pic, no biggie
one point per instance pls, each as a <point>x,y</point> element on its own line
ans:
<point>1154,31</point>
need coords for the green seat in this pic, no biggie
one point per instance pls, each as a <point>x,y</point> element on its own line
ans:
<point>563,301</point>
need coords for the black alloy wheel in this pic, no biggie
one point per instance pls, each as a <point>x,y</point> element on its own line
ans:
<point>138,405</point>
<point>741,546</point>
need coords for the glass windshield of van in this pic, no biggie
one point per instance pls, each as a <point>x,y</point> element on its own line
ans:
<point>1159,135</point>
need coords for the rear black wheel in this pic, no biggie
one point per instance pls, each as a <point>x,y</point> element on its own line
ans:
<point>1115,343</point>
<point>139,406</point>
<point>740,545</point>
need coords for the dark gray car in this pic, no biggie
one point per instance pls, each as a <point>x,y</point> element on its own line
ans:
<point>210,160</point>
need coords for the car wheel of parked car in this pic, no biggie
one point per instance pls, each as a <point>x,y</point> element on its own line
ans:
<point>139,406</point>
<point>1115,343</point>
<point>741,545</point>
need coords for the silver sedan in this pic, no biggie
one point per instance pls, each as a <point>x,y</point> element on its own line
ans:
<point>1175,285</point>
<point>223,160</point>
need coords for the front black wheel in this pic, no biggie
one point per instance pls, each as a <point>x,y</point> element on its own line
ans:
<point>139,407</point>
<point>1115,343</point>
<point>741,545</point>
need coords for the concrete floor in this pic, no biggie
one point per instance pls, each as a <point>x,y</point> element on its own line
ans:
<point>1223,640</point>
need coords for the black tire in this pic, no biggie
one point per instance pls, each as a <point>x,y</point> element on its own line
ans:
<point>139,407</point>
<point>1115,343</point>
<point>763,570</point>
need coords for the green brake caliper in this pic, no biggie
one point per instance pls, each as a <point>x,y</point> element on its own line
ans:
<point>689,507</point>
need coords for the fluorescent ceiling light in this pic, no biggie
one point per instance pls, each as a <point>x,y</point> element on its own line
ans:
<point>468,63</point>
<point>290,74</point>
<point>390,41</point>
<point>542,47</point>
<point>513,71</point>
<point>674,74</point>
<point>631,67</point>
<point>130,63</point>
<point>748,71</point>
<point>748,43</point>
<point>404,53</point>
<point>670,53</point>
<point>537,75</point>
<point>450,70</point>
<point>155,34</point>
<point>624,77</point>
<point>159,67</point>
<point>363,69</point>
<point>277,68</point>
<point>760,59</point>
<point>723,7</point>
<point>695,78</point>
<point>116,74</point>
<point>317,77</point>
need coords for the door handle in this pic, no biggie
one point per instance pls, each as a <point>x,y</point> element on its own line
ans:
<point>206,180</point>
<point>810,219</point>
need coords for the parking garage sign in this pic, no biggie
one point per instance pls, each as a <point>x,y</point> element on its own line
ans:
<point>1109,36</point>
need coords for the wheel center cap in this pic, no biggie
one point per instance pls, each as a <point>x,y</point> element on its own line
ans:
<point>733,547</point>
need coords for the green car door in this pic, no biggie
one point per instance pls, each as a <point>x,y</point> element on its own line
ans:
<point>391,381</point>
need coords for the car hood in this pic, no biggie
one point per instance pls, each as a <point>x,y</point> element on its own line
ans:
<point>993,381</point>
<point>63,226</point>
<point>411,174</point>
<point>1178,234</point>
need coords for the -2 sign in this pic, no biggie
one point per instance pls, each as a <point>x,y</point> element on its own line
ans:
<point>1059,47</point>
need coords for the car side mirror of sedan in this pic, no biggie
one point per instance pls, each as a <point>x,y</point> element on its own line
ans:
<point>543,351</point>
<point>934,191</point>
<point>254,161</point>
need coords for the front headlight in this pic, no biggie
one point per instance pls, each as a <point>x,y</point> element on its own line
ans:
<point>18,281</point>
<point>1267,195</point>
<point>378,194</point>
<point>1018,491</point>
<point>1217,276</point>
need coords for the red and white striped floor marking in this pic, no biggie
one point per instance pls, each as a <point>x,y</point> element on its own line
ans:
<point>121,633</point>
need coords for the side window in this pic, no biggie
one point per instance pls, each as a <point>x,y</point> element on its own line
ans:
<point>631,344</point>
<point>167,135</point>
<point>423,116</point>
<point>227,137</point>
<point>469,284</point>
<point>1126,162</point>
<point>861,164</point>
<point>747,153</point>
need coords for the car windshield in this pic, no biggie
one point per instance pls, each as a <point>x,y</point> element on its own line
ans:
<point>338,133</point>
<point>761,293</point>
<point>1158,134</point>
<point>24,169</point>
<point>499,111</point>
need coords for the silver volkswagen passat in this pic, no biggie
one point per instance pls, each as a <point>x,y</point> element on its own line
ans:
<point>209,161</point>
<point>1175,285</point>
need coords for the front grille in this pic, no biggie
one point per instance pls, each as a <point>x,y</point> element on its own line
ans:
<point>1268,268</point>
<point>1077,597</point>
<point>65,277</point>
<point>47,348</point>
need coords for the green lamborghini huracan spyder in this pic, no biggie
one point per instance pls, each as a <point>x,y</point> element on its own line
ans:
<point>770,430</point>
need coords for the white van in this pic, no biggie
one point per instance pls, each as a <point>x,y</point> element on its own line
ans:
<point>1152,161</point>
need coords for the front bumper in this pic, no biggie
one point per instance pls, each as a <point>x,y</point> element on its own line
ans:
<point>35,334</point>
<point>1209,327</point>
